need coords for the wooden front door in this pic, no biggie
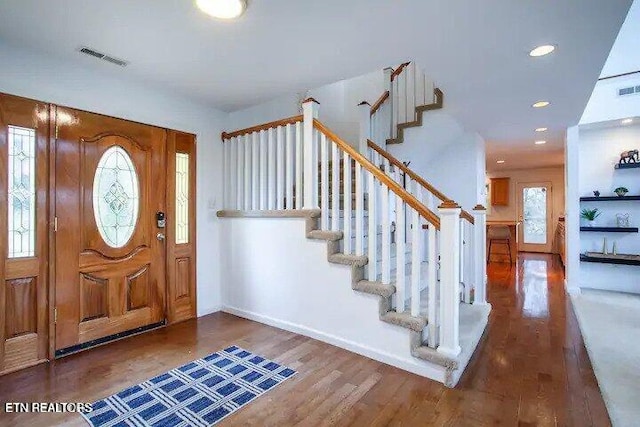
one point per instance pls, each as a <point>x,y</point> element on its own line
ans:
<point>110,264</point>
<point>24,133</point>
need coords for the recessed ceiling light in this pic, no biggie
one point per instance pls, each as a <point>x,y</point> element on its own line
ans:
<point>500,162</point>
<point>540,104</point>
<point>540,142</point>
<point>627,121</point>
<point>223,9</point>
<point>542,50</point>
<point>541,129</point>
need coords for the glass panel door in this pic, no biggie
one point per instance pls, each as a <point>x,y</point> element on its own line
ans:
<point>534,205</point>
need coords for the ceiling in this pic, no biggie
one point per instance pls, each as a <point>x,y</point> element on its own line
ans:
<point>477,52</point>
<point>625,55</point>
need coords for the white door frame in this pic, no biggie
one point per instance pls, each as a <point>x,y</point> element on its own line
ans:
<point>532,247</point>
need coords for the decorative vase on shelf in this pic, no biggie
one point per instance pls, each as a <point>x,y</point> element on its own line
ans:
<point>589,216</point>
<point>621,191</point>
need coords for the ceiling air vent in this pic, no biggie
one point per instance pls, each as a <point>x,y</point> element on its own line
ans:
<point>628,90</point>
<point>103,56</point>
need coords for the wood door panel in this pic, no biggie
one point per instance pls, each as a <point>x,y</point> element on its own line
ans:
<point>123,278</point>
<point>22,307</point>
<point>24,131</point>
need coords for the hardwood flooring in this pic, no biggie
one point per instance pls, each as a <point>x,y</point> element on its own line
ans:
<point>531,369</point>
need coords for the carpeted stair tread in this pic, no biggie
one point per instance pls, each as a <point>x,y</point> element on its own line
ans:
<point>331,236</point>
<point>344,259</point>
<point>431,355</point>
<point>375,288</point>
<point>405,320</point>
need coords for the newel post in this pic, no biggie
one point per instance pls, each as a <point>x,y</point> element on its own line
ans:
<point>364,111</point>
<point>310,168</point>
<point>449,278</point>
<point>480,255</point>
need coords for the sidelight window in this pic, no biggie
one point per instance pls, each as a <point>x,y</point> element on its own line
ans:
<point>182,198</point>
<point>116,197</point>
<point>22,192</point>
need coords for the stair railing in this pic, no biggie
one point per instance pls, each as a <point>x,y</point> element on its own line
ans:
<point>406,88</point>
<point>300,164</point>
<point>472,226</point>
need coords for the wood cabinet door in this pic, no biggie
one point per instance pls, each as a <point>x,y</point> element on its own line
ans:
<point>110,264</point>
<point>500,191</point>
<point>24,136</point>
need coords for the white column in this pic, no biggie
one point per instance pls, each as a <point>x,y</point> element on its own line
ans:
<point>449,278</point>
<point>480,255</point>
<point>310,112</point>
<point>364,110</point>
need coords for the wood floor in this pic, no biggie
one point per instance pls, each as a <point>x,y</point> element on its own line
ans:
<point>530,369</point>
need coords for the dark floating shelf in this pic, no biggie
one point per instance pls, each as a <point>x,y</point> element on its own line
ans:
<point>627,165</point>
<point>611,229</point>
<point>609,199</point>
<point>585,258</point>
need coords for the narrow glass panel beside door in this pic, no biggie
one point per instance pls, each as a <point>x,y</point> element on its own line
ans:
<point>22,192</point>
<point>182,198</point>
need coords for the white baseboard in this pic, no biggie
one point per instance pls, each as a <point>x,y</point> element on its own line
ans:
<point>209,310</point>
<point>416,366</point>
<point>571,290</point>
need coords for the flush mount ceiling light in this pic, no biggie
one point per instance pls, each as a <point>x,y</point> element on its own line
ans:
<point>500,162</point>
<point>540,104</point>
<point>540,142</point>
<point>627,121</point>
<point>223,9</point>
<point>541,129</point>
<point>542,50</point>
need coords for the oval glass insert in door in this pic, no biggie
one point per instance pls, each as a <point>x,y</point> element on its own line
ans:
<point>116,197</point>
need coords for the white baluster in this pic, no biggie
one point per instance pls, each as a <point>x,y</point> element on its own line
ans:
<point>395,108</point>
<point>480,255</point>
<point>324,182</point>
<point>239,163</point>
<point>247,171</point>
<point>310,112</point>
<point>411,92</point>
<point>386,111</point>
<point>386,234</point>
<point>271,189</point>
<point>264,171</point>
<point>289,167</point>
<point>364,110</point>
<point>449,278</point>
<point>346,165</point>
<point>432,286</point>
<point>373,232</point>
<point>359,210</point>
<point>225,173</point>
<point>419,79</point>
<point>299,164</point>
<point>416,261</point>
<point>400,256</point>
<point>335,184</point>
<point>280,172</point>
<point>255,171</point>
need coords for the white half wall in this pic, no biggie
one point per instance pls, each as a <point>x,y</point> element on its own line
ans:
<point>605,104</point>
<point>35,75</point>
<point>275,275</point>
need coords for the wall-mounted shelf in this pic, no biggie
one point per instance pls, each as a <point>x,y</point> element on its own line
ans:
<point>609,199</point>
<point>627,165</point>
<point>612,259</point>
<point>611,229</point>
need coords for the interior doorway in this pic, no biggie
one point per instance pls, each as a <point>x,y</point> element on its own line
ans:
<point>535,213</point>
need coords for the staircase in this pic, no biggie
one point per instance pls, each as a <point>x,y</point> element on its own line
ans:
<point>405,242</point>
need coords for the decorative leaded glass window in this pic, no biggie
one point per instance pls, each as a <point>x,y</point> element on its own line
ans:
<point>22,192</point>
<point>116,197</point>
<point>182,198</point>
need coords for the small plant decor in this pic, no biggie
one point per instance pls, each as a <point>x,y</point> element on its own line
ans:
<point>621,191</point>
<point>590,215</point>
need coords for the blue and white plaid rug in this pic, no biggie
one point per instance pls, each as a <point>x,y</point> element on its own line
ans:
<point>200,393</point>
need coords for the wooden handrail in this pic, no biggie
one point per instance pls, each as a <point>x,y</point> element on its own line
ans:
<point>381,176</point>
<point>464,214</point>
<point>265,126</point>
<point>398,70</point>
<point>379,102</point>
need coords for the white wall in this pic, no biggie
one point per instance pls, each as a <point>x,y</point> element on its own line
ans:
<point>605,104</point>
<point>281,278</point>
<point>338,106</point>
<point>598,152</point>
<point>35,75</point>
<point>446,156</point>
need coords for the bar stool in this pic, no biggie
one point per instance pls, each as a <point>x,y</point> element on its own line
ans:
<point>500,235</point>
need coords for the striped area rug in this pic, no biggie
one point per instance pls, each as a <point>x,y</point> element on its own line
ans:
<point>200,393</point>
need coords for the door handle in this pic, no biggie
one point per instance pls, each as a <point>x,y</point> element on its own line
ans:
<point>160,236</point>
